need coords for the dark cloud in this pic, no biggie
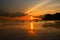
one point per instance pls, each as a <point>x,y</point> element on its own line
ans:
<point>7,14</point>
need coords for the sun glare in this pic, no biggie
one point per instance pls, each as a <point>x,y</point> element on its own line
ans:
<point>31,17</point>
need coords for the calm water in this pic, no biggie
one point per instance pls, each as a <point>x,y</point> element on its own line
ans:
<point>16,30</point>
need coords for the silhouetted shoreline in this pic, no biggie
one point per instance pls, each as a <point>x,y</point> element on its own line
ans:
<point>55,16</point>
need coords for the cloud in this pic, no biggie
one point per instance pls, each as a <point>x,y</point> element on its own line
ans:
<point>7,14</point>
<point>38,5</point>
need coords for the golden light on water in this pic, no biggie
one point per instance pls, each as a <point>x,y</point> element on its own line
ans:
<point>31,31</point>
<point>32,25</point>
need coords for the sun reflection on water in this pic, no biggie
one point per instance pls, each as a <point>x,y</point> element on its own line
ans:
<point>32,27</point>
<point>31,31</point>
<point>31,22</point>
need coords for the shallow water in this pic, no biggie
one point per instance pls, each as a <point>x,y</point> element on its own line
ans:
<point>17,30</point>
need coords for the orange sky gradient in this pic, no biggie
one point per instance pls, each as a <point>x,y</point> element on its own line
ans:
<point>31,7</point>
<point>27,18</point>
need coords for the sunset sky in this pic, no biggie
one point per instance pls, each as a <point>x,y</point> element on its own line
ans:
<point>31,7</point>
